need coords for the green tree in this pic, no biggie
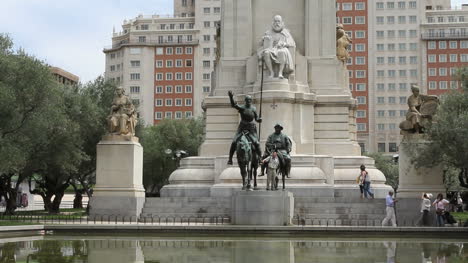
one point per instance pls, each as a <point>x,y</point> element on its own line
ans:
<point>388,167</point>
<point>175,135</point>
<point>27,92</point>
<point>448,134</point>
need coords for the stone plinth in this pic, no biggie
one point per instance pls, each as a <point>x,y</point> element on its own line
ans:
<point>119,179</point>
<point>415,181</point>
<point>273,208</point>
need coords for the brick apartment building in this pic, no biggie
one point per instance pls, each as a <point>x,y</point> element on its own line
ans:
<point>353,15</point>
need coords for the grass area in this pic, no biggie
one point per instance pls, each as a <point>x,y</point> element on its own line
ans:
<point>460,216</point>
<point>68,211</point>
<point>65,214</point>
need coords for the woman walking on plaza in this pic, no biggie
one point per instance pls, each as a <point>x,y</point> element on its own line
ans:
<point>439,205</point>
<point>366,181</point>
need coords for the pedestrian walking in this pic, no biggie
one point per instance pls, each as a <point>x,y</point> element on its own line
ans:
<point>439,205</point>
<point>366,181</point>
<point>459,203</point>
<point>273,163</point>
<point>390,209</point>
<point>360,182</point>
<point>425,209</point>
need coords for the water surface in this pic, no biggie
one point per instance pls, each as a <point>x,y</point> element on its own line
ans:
<point>153,249</point>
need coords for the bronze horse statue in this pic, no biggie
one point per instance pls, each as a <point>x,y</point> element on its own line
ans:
<point>248,162</point>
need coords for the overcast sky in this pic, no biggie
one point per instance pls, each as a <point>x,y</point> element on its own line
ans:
<point>72,33</point>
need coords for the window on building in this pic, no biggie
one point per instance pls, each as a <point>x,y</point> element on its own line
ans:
<point>188,76</point>
<point>158,115</point>
<point>168,102</point>
<point>390,20</point>
<point>169,76</point>
<point>412,4</point>
<point>159,76</point>
<point>403,86</point>
<point>391,60</point>
<point>392,147</point>
<point>380,100</point>
<point>380,87</point>
<point>380,113</point>
<point>391,86</point>
<point>381,147</point>
<point>360,73</point>
<point>360,87</point>
<point>402,33</point>
<point>169,51</point>
<point>391,113</point>
<point>178,102</point>
<point>390,5</point>
<point>360,20</point>
<point>158,102</point>
<point>431,45</point>
<point>206,63</point>
<point>206,89</point>
<point>391,73</point>
<point>360,48</point>
<point>206,10</point>
<point>168,115</point>
<point>402,60</point>
<point>179,50</point>
<point>413,46</point>
<point>134,89</point>
<point>347,6</point>
<point>453,84</point>
<point>188,88</point>
<point>380,60</point>
<point>413,73</point>
<point>142,39</point>
<point>361,100</point>
<point>206,76</point>
<point>217,10</point>
<point>361,114</point>
<point>391,47</point>
<point>403,113</point>
<point>443,85</point>
<point>381,127</point>
<point>361,127</point>
<point>135,63</point>
<point>360,6</point>
<point>206,51</point>
<point>403,99</point>
<point>379,20</point>
<point>134,76</point>
<point>380,34</point>
<point>188,63</point>
<point>178,76</point>
<point>347,20</point>
<point>379,5</point>
<point>401,19</point>
<point>188,102</point>
<point>443,44</point>
<point>442,71</point>
<point>402,46</point>
<point>391,100</point>
<point>401,5</point>
<point>432,85</point>
<point>188,50</point>
<point>169,63</point>
<point>402,73</point>
<point>380,73</point>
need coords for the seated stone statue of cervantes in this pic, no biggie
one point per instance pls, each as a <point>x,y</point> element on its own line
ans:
<point>275,50</point>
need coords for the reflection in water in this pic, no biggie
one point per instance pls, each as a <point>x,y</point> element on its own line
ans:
<point>58,249</point>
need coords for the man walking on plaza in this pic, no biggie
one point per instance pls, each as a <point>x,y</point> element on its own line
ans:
<point>390,206</point>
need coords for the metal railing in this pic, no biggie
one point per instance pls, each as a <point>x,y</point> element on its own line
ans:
<point>152,43</point>
<point>332,222</point>
<point>40,218</point>
<point>435,36</point>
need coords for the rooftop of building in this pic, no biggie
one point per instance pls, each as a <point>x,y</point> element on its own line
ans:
<point>65,74</point>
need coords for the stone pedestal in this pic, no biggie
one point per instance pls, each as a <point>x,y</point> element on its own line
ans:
<point>273,208</point>
<point>415,181</point>
<point>119,178</point>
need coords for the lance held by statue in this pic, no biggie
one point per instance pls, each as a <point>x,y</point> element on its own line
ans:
<point>280,143</point>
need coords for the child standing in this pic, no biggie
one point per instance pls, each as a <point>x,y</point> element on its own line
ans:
<point>273,163</point>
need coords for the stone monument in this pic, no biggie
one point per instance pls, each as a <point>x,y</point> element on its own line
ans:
<point>305,89</point>
<point>414,181</point>
<point>119,165</point>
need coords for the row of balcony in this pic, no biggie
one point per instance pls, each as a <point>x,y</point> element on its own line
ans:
<point>443,35</point>
<point>165,42</point>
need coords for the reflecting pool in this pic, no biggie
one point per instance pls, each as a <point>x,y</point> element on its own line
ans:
<point>151,249</point>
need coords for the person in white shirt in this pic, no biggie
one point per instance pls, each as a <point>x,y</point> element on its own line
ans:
<point>273,163</point>
<point>440,204</point>
<point>425,208</point>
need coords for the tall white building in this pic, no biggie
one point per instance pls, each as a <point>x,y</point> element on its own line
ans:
<point>395,63</point>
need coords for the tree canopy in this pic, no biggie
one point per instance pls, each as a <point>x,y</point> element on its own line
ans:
<point>448,133</point>
<point>175,135</point>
